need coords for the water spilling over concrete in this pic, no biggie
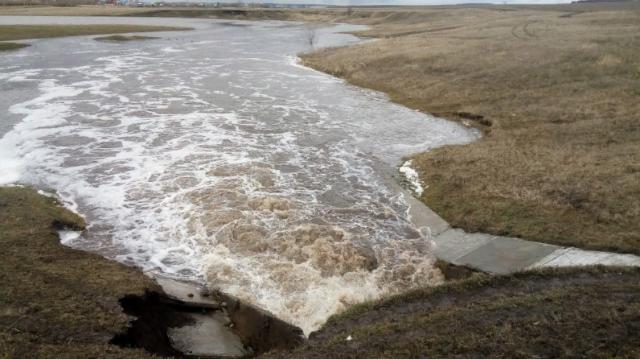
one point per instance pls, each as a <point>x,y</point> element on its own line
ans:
<point>212,156</point>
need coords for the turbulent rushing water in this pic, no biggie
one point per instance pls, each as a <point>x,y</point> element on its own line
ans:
<point>211,155</point>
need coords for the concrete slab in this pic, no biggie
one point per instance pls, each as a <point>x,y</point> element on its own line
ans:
<point>456,243</point>
<point>622,260</point>
<point>188,293</point>
<point>496,254</point>
<point>566,257</point>
<point>207,336</point>
<point>426,220</point>
<point>504,255</point>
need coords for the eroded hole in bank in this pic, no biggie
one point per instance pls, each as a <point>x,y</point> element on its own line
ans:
<point>168,327</point>
<point>150,328</point>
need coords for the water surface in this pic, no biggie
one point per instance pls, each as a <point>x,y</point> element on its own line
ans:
<point>211,155</point>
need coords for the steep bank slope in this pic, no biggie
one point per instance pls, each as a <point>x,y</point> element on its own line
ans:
<point>553,313</point>
<point>61,302</point>
<point>56,300</point>
<point>557,91</point>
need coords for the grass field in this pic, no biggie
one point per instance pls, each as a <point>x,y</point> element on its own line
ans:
<point>556,90</point>
<point>23,32</point>
<point>88,10</point>
<point>549,314</point>
<point>313,15</point>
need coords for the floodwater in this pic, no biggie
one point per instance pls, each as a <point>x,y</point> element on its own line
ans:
<point>211,155</point>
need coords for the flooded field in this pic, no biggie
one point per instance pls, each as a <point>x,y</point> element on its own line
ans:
<point>211,155</point>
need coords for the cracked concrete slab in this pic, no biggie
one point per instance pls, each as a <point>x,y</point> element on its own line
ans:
<point>427,221</point>
<point>504,255</point>
<point>456,243</point>
<point>209,336</point>
<point>577,257</point>
<point>188,293</point>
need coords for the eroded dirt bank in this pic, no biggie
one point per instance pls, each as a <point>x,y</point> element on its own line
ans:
<point>57,301</point>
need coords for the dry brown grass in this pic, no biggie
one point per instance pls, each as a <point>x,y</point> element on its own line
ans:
<point>559,313</point>
<point>560,87</point>
<point>57,302</point>
<point>229,13</point>
<point>21,32</point>
<point>83,10</point>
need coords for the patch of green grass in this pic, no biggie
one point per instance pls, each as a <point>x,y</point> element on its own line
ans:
<point>124,38</point>
<point>8,46</point>
<point>21,32</point>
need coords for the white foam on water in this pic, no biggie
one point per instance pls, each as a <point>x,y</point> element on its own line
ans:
<point>412,177</point>
<point>171,49</point>
<point>228,165</point>
<point>67,237</point>
<point>10,168</point>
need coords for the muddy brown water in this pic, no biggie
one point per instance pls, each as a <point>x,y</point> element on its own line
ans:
<point>212,156</point>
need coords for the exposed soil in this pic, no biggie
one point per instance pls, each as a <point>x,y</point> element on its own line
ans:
<point>452,272</point>
<point>260,330</point>
<point>60,302</point>
<point>153,319</point>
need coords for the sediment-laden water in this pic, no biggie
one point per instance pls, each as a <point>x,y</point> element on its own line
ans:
<point>211,155</point>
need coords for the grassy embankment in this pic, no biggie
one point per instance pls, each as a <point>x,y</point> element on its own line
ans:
<point>556,90</point>
<point>56,301</point>
<point>23,32</point>
<point>60,302</point>
<point>591,312</point>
